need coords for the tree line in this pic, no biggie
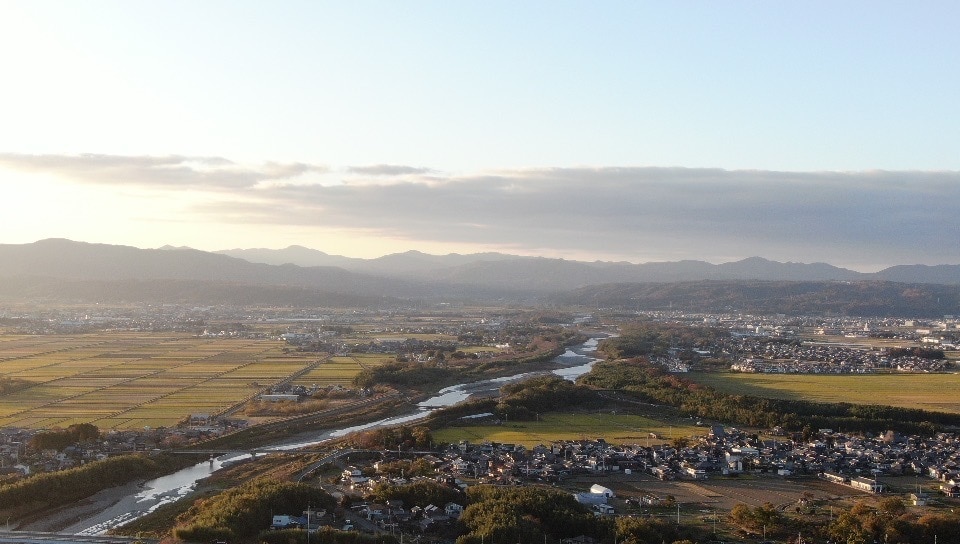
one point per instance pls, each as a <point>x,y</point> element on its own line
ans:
<point>889,522</point>
<point>59,439</point>
<point>923,353</point>
<point>52,489</point>
<point>391,438</point>
<point>419,493</point>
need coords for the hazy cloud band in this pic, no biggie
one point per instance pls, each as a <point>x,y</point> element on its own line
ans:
<point>710,214</point>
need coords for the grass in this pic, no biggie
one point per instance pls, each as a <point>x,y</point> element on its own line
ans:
<point>935,392</point>
<point>555,426</point>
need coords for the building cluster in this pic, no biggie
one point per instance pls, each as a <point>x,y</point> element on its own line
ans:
<point>146,318</point>
<point>752,355</point>
<point>859,462</point>
<point>775,344</point>
<point>18,458</point>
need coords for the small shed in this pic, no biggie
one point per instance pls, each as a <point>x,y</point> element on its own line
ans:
<point>598,489</point>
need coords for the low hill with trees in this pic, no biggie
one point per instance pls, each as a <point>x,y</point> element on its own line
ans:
<point>859,298</point>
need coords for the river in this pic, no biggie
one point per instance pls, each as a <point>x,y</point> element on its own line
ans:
<point>575,362</point>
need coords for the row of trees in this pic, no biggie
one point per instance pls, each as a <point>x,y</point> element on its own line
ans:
<point>51,489</point>
<point>420,493</point>
<point>391,438</point>
<point>406,468</point>
<point>60,439</point>
<point>889,522</point>
<point>923,353</point>
<point>403,374</point>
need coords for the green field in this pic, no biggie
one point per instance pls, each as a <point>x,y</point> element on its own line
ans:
<point>552,427</point>
<point>936,392</point>
<point>131,380</point>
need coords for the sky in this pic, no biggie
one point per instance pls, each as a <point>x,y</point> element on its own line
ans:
<point>629,131</point>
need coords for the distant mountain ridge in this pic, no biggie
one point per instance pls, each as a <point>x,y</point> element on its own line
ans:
<point>395,263</point>
<point>59,270</point>
<point>539,273</point>
<point>79,261</point>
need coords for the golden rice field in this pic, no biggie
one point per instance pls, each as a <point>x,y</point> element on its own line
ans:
<point>341,370</point>
<point>935,392</point>
<point>132,380</point>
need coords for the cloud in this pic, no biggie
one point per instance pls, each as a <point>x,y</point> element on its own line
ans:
<point>387,170</point>
<point>868,218</point>
<point>845,217</point>
<point>173,171</point>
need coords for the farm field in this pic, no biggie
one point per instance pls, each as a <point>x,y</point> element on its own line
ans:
<point>132,380</point>
<point>554,426</point>
<point>341,370</point>
<point>936,392</point>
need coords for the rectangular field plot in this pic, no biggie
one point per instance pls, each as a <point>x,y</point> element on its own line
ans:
<point>552,427</point>
<point>936,392</point>
<point>267,371</point>
<point>340,370</point>
<point>125,380</point>
<point>370,359</point>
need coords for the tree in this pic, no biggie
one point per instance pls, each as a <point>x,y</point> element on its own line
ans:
<point>891,507</point>
<point>762,519</point>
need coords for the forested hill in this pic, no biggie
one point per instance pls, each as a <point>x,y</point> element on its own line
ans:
<point>862,298</point>
<point>66,271</point>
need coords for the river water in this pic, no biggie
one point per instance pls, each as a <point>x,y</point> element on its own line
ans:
<point>575,362</point>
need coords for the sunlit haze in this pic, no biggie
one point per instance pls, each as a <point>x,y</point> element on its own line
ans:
<point>635,131</point>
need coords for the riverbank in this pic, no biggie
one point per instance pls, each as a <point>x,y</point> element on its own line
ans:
<point>73,518</point>
<point>403,409</point>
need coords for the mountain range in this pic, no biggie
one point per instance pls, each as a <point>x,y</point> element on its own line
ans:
<point>61,270</point>
<point>538,273</point>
